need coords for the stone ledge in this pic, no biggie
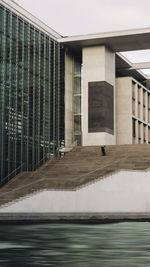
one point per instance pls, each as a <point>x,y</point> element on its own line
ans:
<point>77,218</point>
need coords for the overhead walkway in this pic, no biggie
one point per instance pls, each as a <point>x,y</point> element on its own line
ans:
<point>83,165</point>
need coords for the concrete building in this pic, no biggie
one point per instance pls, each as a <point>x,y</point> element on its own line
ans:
<point>62,91</point>
<point>114,94</point>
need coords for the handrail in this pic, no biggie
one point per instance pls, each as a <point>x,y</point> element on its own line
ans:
<point>14,171</point>
<point>8,177</point>
<point>98,169</point>
<point>85,174</point>
<point>38,164</point>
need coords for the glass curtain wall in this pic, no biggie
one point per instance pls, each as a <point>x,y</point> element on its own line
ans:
<point>31,96</point>
<point>77,99</point>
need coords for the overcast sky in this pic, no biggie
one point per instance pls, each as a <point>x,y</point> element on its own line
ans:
<point>74,17</point>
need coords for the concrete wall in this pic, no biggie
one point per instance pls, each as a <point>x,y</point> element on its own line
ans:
<point>124,110</point>
<point>126,191</point>
<point>98,65</point>
<point>69,123</point>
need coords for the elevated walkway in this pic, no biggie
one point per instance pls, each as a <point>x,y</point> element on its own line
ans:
<point>83,165</point>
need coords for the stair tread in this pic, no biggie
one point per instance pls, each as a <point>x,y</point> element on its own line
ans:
<point>79,167</point>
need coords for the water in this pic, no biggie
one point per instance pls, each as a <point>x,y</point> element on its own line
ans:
<point>68,245</point>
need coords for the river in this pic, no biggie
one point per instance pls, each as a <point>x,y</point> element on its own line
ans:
<point>69,245</point>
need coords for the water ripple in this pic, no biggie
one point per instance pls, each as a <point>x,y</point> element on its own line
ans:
<point>107,245</point>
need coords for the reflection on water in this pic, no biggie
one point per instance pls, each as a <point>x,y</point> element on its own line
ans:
<point>111,245</point>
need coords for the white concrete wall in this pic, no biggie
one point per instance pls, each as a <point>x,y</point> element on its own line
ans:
<point>98,65</point>
<point>124,110</point>
<point>126,191</point>
<point>69,83</point>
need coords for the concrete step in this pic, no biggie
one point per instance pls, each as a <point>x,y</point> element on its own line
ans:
<point>81,166</point>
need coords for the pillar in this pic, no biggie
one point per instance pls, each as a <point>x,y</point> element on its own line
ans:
<point>98,96</point>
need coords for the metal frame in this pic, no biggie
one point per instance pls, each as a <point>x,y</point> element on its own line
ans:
<point>36,137</point>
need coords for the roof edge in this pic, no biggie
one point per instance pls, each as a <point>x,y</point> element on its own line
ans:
<point>104,35</point>
<point>20,11</point>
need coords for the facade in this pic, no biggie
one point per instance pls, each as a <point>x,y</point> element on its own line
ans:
<point>62,91</point>
<point>133,112</point>
<point>31,93</point>
<point>114,102</point>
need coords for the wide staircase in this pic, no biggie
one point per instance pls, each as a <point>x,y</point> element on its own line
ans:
<point>83,165</point>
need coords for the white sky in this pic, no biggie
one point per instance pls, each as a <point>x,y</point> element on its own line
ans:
<point>74,17</point>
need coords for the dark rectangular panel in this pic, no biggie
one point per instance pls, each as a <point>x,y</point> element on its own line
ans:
<point>100,107</point>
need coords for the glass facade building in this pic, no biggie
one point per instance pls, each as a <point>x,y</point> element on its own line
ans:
<point>31,95</point>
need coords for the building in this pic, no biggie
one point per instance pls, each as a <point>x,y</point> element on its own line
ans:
<point>61,91</point>
<point>32,104</point>
<point>114,96</point>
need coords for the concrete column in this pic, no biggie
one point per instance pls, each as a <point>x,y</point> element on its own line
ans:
<point>141,106</point>
<point>136,100</point>
<point>124,110</point>
<point>69,122</point>
<point>146,106</point>
<point>98,76</point>
<point>146,134</point>
<point>136,132</point>
<point>141,133</point>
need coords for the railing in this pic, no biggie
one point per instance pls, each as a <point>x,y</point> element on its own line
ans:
<point>41,162</point>
<point>22,168</point>
<point>12,174</point>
